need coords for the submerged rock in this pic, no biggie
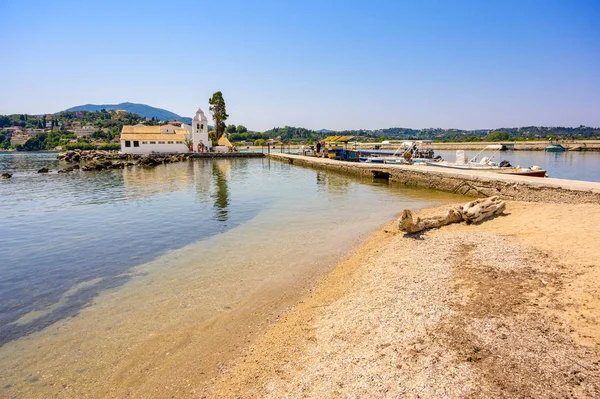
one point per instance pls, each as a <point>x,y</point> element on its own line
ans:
<point>43,170</point>
<point>5,176</point>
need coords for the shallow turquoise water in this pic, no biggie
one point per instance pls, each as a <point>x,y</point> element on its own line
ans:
<point>86,230</point>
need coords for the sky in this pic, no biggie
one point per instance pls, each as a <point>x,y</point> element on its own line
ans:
<point>314,64</point>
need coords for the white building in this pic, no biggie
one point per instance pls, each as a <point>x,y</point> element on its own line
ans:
<point>199,132</point>
<point>142,139</point>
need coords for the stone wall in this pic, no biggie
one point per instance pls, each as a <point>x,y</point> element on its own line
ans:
<point>470,183</point>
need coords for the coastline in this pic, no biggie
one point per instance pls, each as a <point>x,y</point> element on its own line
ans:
<point>178,319</point>
<point>507,308</point>
<point>424,315</point>
<point>465,182</point>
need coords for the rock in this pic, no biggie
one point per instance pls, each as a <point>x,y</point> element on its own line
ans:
<point>43,170</point>
<point>114,160</point>
<point>5,176</point>
<point>60,171</point>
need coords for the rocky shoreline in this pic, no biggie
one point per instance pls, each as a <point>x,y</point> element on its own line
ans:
<point>99,160</point>
<point>89,160</point>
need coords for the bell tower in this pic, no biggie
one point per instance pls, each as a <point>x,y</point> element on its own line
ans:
<point>200,132</point>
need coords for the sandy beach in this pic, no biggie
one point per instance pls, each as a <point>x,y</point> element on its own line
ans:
<point>506,308</point>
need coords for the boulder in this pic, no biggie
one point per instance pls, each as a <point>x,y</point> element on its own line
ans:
<point>43,170</point>
<point>5,176</point>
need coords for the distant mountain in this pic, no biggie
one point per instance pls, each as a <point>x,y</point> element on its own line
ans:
<point>142,110</point>
<point>325,131</point>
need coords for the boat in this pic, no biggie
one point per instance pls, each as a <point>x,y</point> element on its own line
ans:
<point>487,163</point>
<point>555,148</point>
<point>408,153</point>
<point>533,171</point>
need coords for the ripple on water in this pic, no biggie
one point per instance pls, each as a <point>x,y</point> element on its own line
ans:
<point>67,237</point>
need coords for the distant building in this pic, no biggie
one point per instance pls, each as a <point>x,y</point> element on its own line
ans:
<point>18,139</point>
<point>176,123</point>
<point>76,124</point>
<point>14,130</point>
<point>85,131</point>
<point>224,145</point>
<point>170,138</point>
<point>198,132</point>
<point>120,111</point>
<point>142,139</point>
<point>32,132</point>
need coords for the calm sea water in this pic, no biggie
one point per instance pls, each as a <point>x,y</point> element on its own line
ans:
<point>572,165</point>
<point>65,238</point>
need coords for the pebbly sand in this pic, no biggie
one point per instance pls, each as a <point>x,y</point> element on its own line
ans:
<point>507,308</point>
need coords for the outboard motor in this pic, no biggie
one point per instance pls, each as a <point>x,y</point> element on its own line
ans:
<point>505,164</point>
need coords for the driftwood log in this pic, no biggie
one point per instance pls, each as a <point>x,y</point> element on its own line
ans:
<point>483,208</point>
<point>471,212</point>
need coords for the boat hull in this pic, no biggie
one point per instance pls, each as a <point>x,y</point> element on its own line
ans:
<point>495,169</point>
<point>524,172</point>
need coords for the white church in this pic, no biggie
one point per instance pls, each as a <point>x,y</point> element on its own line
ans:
<point>142,139</point>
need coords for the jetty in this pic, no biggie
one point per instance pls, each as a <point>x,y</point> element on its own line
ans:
<point>466,182</point>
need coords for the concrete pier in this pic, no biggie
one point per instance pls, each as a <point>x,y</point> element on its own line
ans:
<point>225,155</point>
<point>466,182</point>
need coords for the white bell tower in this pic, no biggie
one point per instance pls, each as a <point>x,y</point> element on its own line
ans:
<point>200,132</point>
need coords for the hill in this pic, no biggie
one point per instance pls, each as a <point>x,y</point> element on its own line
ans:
<point>142,110</point>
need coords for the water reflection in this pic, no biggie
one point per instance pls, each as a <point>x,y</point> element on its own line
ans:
<point>220,171</point>
<point>333,184</point>
<point>147,182</point>
<point>60,231</point>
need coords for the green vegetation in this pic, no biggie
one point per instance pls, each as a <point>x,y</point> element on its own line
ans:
<point>219,114</point>
<point>497,136</point>
<point>48,132</point>
<point>52,131</point>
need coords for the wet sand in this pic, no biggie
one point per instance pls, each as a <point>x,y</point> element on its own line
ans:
<point>507,308</point>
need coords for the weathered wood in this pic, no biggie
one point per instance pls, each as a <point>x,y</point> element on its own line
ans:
<point>406,222</point>
<point>471,212</point>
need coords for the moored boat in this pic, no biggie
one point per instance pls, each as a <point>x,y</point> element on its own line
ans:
<point>555,148</point>
<point>533,171</point>
<point>487,164</point>
<point>409,152</point>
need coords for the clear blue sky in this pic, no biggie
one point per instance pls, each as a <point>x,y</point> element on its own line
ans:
<point>316,64</point>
